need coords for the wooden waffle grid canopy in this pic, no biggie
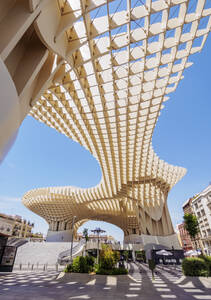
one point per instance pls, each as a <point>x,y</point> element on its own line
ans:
<point>121,60</point>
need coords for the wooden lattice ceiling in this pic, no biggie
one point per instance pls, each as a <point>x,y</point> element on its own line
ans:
<point>121,60</point>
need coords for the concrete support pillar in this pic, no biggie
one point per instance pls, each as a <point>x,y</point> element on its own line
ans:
<point>59,236</point>
<point>9,112</point>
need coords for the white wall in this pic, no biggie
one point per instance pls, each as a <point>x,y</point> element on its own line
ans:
<point>166,241</point>
<point>59,236</point>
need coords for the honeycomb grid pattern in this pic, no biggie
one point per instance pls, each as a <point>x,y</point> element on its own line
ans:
<point>122,59</point>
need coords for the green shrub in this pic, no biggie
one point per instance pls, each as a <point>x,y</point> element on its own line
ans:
<point>90,260</point>
<point>207,260</point>
<point>68,268</point>
<point>126,254</point>
<point>141,256</point>
<point>76,265</point>
<point>108,258</point>
<point>81,264</point>
<point>194,266</point>
<point>119,271</point>
<point>114,271</point>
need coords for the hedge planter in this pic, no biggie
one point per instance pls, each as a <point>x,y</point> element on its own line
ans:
<point>194,266</point>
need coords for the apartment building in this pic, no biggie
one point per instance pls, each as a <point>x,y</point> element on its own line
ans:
<point>201,206</point>
<point>15,226</point>
<point>187,242</point>
<point>184,238</point>
<point>6,227</point>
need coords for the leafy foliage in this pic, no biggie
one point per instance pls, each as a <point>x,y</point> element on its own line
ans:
<point>90,260</point>
<point>81,264</point>
<point>194,266</point>
<point>116,256</point>
<point>68,268</point>
<point>141,256</point>
<point>85,234</point>
<point>108,261</point>
<point>126,254</point>
<point>114,271</point>
<point>191,225</point>
<point>152,265</point>
<point>207,260</point>
<point>108,258</point>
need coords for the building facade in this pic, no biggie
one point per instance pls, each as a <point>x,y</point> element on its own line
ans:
<point>185,239</point>
<point>15,226</point>
<point>187,242</point>
<point>6,227</point>
<point>107,239</point>
<point>201,206</point>
<point>187,206</point>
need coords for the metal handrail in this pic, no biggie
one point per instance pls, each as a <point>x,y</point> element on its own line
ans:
<point>65,254</point>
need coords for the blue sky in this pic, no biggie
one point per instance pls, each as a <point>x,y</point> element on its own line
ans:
<point>43,157</point>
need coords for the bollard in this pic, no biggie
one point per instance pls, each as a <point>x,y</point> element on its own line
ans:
<point>20,266</point>
<point>43,267</point>
<point>57,267</point>
<point>32,267</point>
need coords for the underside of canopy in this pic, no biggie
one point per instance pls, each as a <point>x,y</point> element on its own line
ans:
<point>113,64</point>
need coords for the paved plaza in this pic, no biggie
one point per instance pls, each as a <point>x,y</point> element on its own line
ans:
<point>168,284</point>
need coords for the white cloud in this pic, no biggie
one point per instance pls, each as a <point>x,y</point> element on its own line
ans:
<point>9,199</point>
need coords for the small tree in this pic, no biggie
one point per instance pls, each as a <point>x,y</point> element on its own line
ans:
<point>108,257</point>
<point>192,226</point>
<point>152,266</point>
<point>86,235</point>
<point>126,254</point>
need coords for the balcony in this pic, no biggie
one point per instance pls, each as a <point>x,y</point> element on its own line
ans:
<point>207,237</point>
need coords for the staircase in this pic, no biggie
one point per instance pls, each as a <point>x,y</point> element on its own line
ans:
<point>16,242</point>
<point>41,253</point>
<point>64,257</point>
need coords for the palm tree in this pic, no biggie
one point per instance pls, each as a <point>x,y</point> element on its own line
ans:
<point>86,236</point>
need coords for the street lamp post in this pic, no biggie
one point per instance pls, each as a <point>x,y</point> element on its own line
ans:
<point>71,248</point>
<point>98,231</point>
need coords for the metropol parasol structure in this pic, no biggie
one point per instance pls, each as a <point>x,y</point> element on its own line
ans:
<point>99,71</point>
